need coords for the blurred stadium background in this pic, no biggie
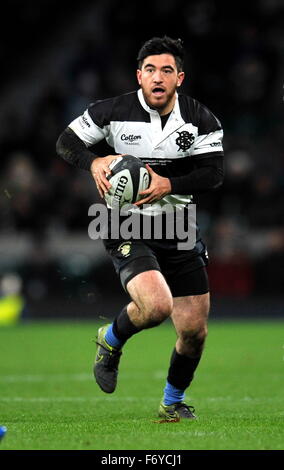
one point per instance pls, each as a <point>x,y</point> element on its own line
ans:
<point>56,58</point>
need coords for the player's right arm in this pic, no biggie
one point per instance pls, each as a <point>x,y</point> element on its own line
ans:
<point>72,145</point>
<point>100,170</point>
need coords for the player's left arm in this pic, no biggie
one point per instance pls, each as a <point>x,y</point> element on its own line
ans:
<point>207,154</point>
<point>159,187</point>
<point>208,158</point>
<point>207,176</point>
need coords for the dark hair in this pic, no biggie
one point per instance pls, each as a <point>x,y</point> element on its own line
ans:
<point>163,45</point>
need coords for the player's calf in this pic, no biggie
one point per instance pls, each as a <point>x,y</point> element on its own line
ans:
<point>151,313</point>
<point>131,320</point>
<point>152,299</point>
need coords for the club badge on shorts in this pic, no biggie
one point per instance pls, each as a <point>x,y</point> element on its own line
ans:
<point>125,248</point>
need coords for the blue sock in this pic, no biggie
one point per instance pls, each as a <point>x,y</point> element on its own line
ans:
<point>111,339</point>
<point>172,394</point>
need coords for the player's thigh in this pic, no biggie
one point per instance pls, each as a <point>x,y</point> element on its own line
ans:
<point>151,293</point>
<point>190,313</point>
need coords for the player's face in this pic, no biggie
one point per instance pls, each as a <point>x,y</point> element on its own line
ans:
<point>159,79</point>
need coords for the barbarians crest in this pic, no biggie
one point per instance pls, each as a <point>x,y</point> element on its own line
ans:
<point>184,140</point>
<point>125,248</point>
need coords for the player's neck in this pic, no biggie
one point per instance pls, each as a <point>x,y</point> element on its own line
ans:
<point>168,108</point>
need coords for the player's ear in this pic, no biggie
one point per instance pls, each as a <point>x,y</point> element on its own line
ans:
<point>138,75</point>
<point>180,78</point>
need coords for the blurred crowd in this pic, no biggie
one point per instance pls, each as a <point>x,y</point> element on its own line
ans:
<point>234,65</point>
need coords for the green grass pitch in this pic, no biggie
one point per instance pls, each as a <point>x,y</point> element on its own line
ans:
<point>50,401</point>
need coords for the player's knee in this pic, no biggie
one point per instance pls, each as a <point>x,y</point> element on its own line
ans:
<point>195,338</point>
<point>157,312</point>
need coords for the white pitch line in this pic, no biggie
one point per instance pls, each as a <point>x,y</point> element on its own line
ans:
<point>70,399</point>
<point>45,377</point>
<point>79,377</point>
<point>258,400</point>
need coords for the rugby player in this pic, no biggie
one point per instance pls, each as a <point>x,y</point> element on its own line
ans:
<point>180,140</point>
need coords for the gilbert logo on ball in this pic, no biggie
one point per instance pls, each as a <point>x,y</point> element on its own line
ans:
<point>128,177</point>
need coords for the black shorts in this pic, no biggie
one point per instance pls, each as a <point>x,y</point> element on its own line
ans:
<point>184,270</point>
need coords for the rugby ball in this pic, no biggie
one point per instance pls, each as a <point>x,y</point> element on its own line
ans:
<point>128,177</point>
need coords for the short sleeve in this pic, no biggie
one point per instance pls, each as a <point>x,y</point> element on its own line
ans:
<point>90,127</point>
<point>210,134</point>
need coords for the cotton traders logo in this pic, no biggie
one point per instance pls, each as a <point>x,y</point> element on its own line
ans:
<point>184,140</point>
<point>131,138</point>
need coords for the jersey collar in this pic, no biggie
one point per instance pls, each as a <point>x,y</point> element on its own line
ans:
<point>175,111</point>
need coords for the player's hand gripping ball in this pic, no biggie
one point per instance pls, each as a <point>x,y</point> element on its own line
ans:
<point>128,177</point>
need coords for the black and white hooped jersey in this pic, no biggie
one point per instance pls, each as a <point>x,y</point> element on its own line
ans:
<point>131,127</point>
